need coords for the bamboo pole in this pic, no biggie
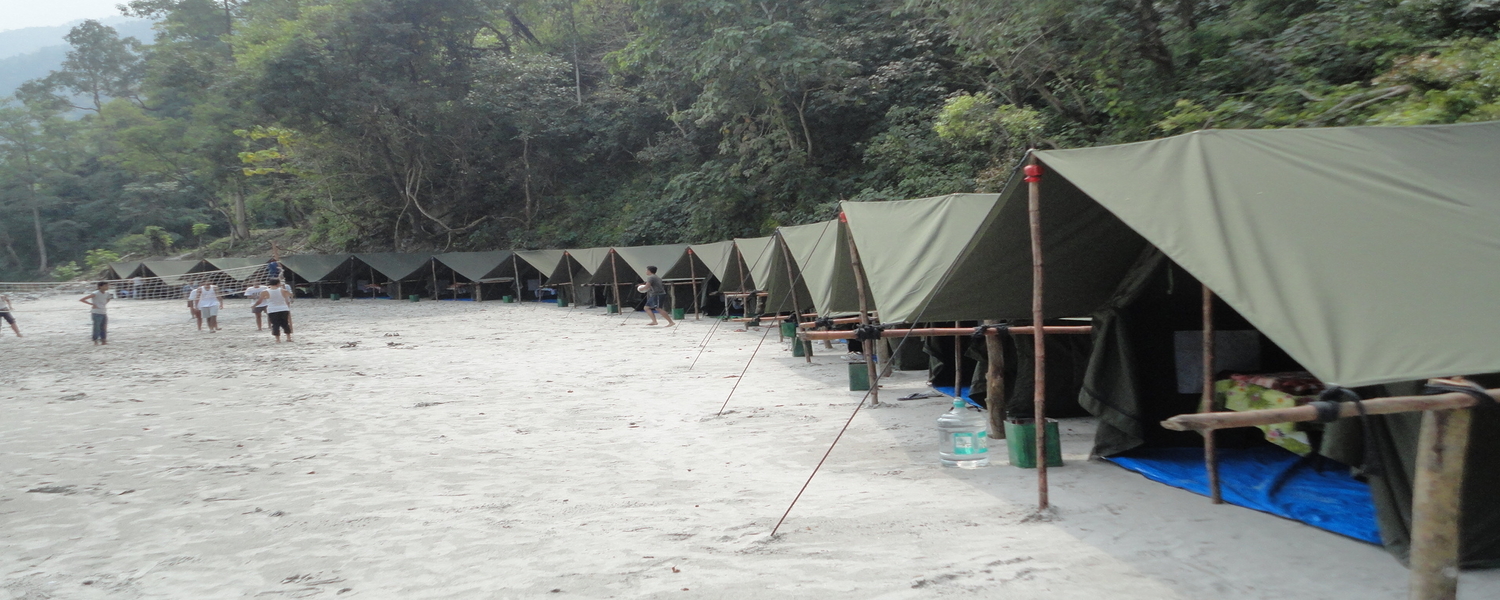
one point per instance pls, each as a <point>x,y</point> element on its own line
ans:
<point>1039,339</point>
<point>994,384</point>
<point>791,280</point>
<point>838,321</point>
<point>693,274</point>
<point>515,272</point>
<point>948,332</point>
<point>1206,403</point>
<point>435,289</point>
<point>1376,406</point>
<point>864,312</point>
<point>1437,497</point>
<point>572,289</point>
<point>958,363</point>
<point>615,273</point>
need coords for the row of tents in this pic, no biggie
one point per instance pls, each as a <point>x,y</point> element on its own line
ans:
<point>1365,256</point>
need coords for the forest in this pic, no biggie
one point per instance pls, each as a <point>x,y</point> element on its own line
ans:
<point>407,125</point>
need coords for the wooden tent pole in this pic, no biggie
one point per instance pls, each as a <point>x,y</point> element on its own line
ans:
<point>1206,404</point>
<point>994,384</point>
<point>615,273</point>
<point>864,312</point>
<point>435,290</point>
<point>946,332</point>
<point>1039,339</point>
<point>515,273</point>
<point>792,295</point>
<point>1437,496</point>
<point>693,276</point>
<point>739,265</point>
<point>572,289</point>
<point>958,363</point>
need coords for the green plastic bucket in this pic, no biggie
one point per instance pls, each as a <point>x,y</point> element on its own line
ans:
<point>612,308</point>
<point>859,377</point>
<point>801,348</point>
<point>1020,439</point>
<point>414,298</point>
<point>507,299</point>
<point>678,313</point>
<point>562,302</point>
<point>788,329</point>
<point>333,296</point>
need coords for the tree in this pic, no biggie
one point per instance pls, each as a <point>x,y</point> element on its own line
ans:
<point>99,66</point>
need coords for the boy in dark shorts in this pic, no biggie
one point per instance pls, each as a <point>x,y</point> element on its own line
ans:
<point>656,293</point>
<point>5,310</point>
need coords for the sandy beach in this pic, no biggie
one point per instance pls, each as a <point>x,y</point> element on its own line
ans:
<point>488,450</point>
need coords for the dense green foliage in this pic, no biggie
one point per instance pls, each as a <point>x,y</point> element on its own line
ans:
<point>457,124</point>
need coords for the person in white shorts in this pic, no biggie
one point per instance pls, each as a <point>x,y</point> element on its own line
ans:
<point>208,305</point>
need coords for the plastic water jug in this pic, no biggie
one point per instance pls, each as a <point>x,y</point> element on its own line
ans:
<point>963,437</point>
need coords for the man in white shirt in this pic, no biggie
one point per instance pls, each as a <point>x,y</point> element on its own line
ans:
<point>192,300</point>
<point>99,300</point>
<point>208,305</point>
<point>256,307</point>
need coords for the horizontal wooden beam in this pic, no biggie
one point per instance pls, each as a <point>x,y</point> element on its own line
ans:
<point>839,321</point>
<point>946,332</point>
<point>1374,406</point>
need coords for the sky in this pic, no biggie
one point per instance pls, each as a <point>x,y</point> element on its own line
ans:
<point>16,14</point>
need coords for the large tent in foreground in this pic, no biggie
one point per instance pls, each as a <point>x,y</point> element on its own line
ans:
<point>1364,254</point>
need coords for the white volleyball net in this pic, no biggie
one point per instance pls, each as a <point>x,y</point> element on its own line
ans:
<point>30,296</point>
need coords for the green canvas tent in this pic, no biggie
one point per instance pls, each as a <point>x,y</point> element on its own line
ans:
<point>397,266</point>
<point>768,268</point>
<point>544,261</point>
<point>672,261</point>
<point>1360,252</point>
<point>122,270</point>
<point>908,246</point>
<point>821,251</point>
<point>475,266</point>
<point>723,259</point>
<point>575,269</point>
<point>313,268</point>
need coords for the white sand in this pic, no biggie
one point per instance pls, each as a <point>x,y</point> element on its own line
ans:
<point>465,450</point>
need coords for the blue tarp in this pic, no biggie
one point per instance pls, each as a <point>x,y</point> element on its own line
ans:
<point>947,390</point>
<point>1269,479</point>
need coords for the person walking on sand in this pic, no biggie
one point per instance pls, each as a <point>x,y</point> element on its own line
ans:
<point>257,307</point>
<point>99,300</point>
<point>208,305</point>
<point>192,300</point>
<point>5,310</point>
<point>656,292</point>
<point>278,301</point>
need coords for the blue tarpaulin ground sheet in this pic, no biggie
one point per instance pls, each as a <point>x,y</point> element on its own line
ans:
<point>947,390</point>
<point>1269,479</point>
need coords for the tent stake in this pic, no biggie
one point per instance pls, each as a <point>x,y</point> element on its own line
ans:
<point>1437,495</point>
<point>1206,404</point>
<point>994,384</point>
<point>1039,339</point>
<point>864,313</point>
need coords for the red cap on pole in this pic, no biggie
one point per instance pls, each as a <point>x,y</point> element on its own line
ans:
<point>843,218</point>
<point>1033,173</point>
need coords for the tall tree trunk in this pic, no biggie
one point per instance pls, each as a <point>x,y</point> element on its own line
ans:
<point>241,224</point>
<point>36,222</point>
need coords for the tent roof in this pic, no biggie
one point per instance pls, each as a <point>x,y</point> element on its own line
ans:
<point>723,259</point>
<point>908,246</point>
<point>1364,252</point>
<point>477,265</point>
<point>125,270</point>
<point>544,261</point>
<point>395,265</point>
<point>671,260</point>
<point>223,264</point>
<point>821,251</point>
<point>757,253</point>
<point>314,267</point>
<point>581,262</point>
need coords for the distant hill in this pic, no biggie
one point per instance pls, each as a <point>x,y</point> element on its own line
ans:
<point>33,52</point>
